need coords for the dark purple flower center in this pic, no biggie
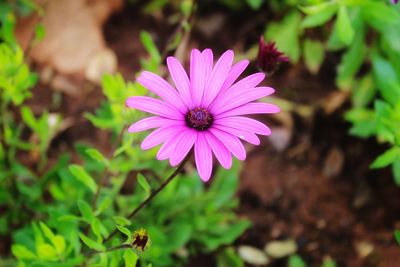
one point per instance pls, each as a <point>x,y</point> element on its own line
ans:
<point>199,119</point>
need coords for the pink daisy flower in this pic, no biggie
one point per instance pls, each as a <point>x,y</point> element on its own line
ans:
<point>205,111</point>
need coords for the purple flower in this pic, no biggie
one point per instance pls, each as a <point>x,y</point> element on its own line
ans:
<point>205,111</point>
<point>269,57</point>
<point>395,1</point>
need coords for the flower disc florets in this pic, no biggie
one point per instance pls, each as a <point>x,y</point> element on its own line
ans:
<point>199,119</point>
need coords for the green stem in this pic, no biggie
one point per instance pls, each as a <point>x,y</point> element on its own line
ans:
<point>153,194</point>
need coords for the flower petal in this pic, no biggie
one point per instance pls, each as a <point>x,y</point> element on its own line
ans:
<point>197,76</point>
<point>242,134</point>
<point>183,145</point>
<point>208,58</point>
<point>160,135</point>
<point>181,80</point>
<point>242,86</point>
<point>250,108</point>
<point>239,98</point>
<point>217,77</point>
<point>231,142</point>
<point>167,148</point>
<point>233,74</point>
<point>154,106</point>
<point>152,122</point>
<point>220,151</point>
<point>238,122</point>
<point>162,88</point>
<point>203,157</point>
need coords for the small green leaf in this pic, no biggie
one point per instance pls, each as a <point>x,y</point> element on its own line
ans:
<point>397,236</point>
<point>104,205</point>
<point>321,17</point>
<point>91,243</point>
<point>143,183</point>
<point>344,27</point>
<point>328,262</point>
<point>255,4</point>
<point>86,211</point>
<point>47,231</point>
<point>21,252</point>
<point>313,55</point>
<point>296,261</point>
<point>97,155</point>
<point>126,232</point>
<point>150,46</point>
<point>130,258</point>
<point>363,92</point>
<point>396,171</point>
<point>121,220</point>
<point>387,80</point>
<point>81,175</point>
<point>40,32</point>
<point>386,158</point>
<point>47,252</point>
<point>28,117</point>
<point>59,244</point>
<point>96,228</point>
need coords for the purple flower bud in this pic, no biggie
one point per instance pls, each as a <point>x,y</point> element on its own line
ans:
<point>269,57</point>
<point>395,1</point>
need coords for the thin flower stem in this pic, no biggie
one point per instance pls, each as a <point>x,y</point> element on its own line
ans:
<point>123,246</point>
<point>153,194</point>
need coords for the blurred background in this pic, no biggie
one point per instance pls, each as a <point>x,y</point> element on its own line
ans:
<point>322,190</point>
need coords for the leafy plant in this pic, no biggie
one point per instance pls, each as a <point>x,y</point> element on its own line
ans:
<point>365,34</point>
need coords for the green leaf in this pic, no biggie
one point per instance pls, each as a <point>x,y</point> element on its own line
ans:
<point>130,258</point>
<point>47,252</point>
<point>97,155</point>
<point>386,158</point>
<point>396,171</point>
<point>59,244</point>
<point>40,32</point>
<point>96,228</point>
<point>296,261</point>
<point>380,16</point>
<point>126,232</point>
<point>363,92</point>
<point>397,236</point>
<point>255,4</point>
<point>21,252</point>
<point>386,78</point>
<point>324,15</point>
<point>150,46</point>
<point>104,205</point>
<point>91,243</point>
<point>28,117</point>
<point>86,211</point>
<point>318,8</point>
<point>351,62</point>
<point>57,240</point>
<point>143,183</point>
<point>328,262</point>
<point>229,258</point>
<point>313,55</point>
<point>121,220</point>
<point>81,175</point>
<point>344,28</point>
<point>286,35</point>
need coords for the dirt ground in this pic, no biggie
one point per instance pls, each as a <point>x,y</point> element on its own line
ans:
<point>318,190</point>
